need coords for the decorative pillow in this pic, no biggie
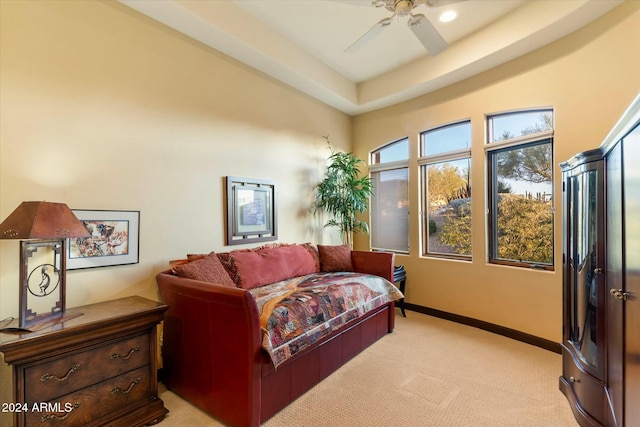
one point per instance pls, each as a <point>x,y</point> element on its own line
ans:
<point>195,257</point>
<point>271,246</point>
<point>335,258</point>
<point>273,264</point>
<point>208,269</point>
<point>230,267</point>
<point>313,250</point>
<point>176,262</point>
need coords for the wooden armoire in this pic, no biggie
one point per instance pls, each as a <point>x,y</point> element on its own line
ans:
<point>601,278</point>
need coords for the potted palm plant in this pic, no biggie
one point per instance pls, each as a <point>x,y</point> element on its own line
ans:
<point>344,194</point>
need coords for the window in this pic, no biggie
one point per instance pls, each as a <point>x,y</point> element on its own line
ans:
<point>520,168</point>
<point>445,167</point>
<point>390,203</point>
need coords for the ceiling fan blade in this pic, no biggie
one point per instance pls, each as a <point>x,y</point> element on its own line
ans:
<point>436,3</point>
<point>427,34</point>
<point>363,3</point>
<point>369,35</point>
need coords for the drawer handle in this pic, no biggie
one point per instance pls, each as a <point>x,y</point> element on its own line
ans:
<point>619,294</point>
<point>47,377</point>
<point>115,356</point>
<point>57,417</point>
<point>117,390</point>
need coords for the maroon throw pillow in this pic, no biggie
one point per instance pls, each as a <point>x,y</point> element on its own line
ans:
<point>335,258</point>
<point>272,264</point>
<point>207,269</point>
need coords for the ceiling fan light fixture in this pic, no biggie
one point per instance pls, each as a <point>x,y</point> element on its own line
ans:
<point>403,7</point>
<point>448,16</point>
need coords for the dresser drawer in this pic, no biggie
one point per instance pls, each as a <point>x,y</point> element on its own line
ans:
<point>99,400</point>
<point>589,392</point>
<point>73,372</point>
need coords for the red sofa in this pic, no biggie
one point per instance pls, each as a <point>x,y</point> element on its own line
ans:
<point>212,353</point>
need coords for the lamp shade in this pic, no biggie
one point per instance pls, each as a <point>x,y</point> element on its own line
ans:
<point>42,220</point>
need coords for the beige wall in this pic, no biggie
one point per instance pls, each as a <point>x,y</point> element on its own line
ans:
<point>103,108</point>
<point>589,78</point>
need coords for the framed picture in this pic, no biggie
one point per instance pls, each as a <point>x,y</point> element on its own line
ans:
<point>114,239</point>
<point>251,210</point>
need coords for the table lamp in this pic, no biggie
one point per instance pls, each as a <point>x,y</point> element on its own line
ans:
<point>47,226</point>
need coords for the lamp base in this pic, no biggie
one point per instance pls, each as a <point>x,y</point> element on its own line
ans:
<point>14,324</point>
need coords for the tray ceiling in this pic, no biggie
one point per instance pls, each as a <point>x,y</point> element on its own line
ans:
<point>302,42</point>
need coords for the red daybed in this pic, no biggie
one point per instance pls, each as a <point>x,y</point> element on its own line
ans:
<point>212,352</point>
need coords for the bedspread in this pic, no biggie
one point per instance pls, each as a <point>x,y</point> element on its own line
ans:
<point>295,313</point>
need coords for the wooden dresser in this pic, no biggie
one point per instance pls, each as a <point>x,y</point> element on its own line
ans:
<point>99,368</point>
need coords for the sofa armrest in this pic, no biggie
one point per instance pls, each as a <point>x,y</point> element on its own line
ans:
<point>212,346</point>
<point>377,263</point>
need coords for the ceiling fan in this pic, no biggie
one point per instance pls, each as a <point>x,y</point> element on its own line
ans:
<point>418,23</point>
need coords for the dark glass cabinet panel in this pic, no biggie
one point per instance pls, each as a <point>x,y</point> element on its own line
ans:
<point>583,256</point>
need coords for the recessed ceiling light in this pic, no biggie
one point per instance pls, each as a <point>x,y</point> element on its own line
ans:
<point>448,16</point>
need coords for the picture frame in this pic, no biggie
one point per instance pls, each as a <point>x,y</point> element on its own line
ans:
<point>115,237</point>
<point>251,210</point>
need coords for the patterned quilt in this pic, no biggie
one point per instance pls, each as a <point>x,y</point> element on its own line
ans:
<point>297,312</point>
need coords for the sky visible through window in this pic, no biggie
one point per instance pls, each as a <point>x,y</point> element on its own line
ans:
<point>514,124</point>
<point>394,152</point>
<point>458,137</point>
<point>445,139</point>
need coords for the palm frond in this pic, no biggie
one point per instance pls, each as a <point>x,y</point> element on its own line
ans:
<point>344,193</point>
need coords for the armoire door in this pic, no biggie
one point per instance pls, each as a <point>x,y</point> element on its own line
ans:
<point>631,156</point>
<point>585,250</point>
<point>614,279</point>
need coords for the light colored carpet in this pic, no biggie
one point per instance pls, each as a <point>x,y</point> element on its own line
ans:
<point>428,372</point>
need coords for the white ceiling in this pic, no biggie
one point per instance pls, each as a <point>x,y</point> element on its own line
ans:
<point>302,42</point>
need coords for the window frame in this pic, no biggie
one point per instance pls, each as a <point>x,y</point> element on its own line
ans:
<point>424,161</point>
<point>376,167</point>
<point>489,123</point>
<point>492,148</point>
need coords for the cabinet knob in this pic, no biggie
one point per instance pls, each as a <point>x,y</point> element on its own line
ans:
<point>619,294</point>
<point>574,379</point>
